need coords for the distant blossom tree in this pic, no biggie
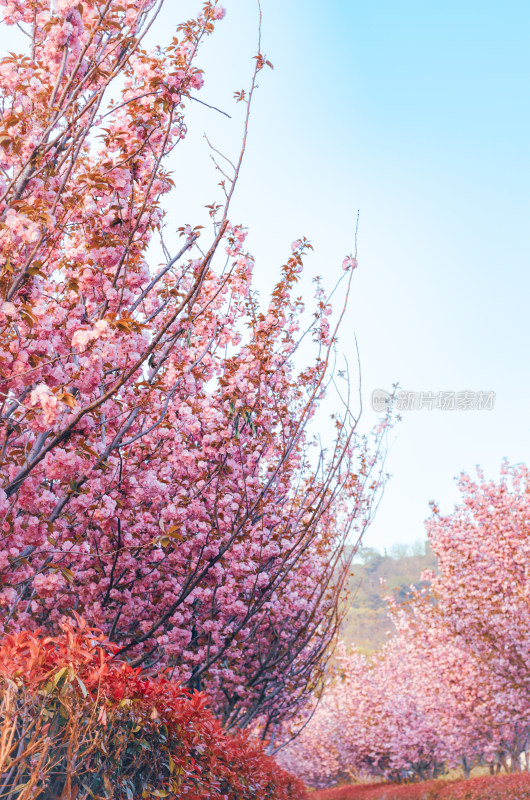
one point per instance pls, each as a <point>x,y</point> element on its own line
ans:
<point>450,686</point>
<point>413,709</point>
<point>482,589</point>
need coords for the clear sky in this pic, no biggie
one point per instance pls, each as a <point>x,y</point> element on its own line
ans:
<point>417,114</point>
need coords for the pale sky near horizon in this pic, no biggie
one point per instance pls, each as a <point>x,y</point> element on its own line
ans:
<point>416,114</point>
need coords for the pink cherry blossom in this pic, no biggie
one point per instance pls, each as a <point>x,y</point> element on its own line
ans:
<point>349,263</point>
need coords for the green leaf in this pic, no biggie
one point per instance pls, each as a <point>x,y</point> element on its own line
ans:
<point>82,685</point>
<point>58,675</point>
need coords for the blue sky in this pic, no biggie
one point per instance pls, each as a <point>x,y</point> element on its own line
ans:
<point>415,113</point>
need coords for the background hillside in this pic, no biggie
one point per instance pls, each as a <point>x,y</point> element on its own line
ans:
<point>376,576</point>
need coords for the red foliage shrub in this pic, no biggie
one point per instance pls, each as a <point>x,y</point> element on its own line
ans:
<point>499,787</point>
<point>364,791</point>
<point>77,723</point>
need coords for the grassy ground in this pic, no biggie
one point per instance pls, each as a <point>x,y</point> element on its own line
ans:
<point>486,787</point>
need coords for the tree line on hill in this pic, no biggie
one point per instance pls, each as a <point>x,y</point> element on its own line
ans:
<point>375,576</point>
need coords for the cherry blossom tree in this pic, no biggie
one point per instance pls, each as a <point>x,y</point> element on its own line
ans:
<point>393,716</point>
<point>450,686</point>
<point>159,474</point>
<point>482,592</point>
